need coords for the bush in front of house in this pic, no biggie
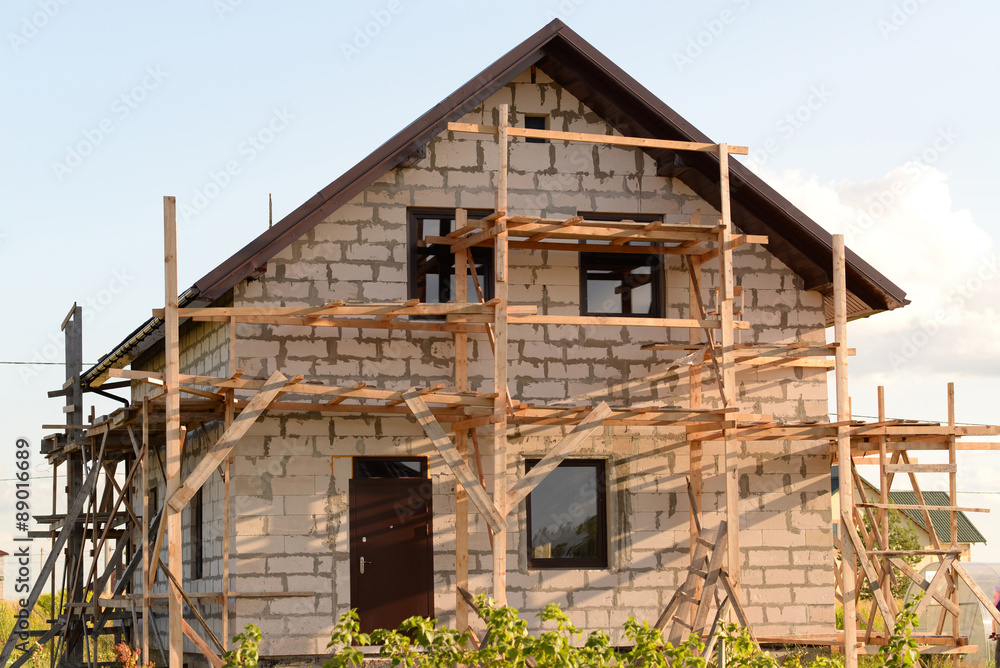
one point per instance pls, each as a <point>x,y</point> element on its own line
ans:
<point>420,643</point>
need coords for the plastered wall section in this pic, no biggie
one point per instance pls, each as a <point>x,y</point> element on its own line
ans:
<point>292,473</point>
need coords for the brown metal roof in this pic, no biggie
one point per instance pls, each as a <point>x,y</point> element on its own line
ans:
<point>624,103</point>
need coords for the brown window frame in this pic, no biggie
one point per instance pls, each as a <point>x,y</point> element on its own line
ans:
<point>357,473</point>
<point>601,559</point>
<point>544,118</point>
<point>198,535</point>
<point>596,261</point>
<point>416,249</point>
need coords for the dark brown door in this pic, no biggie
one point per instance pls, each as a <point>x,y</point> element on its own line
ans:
<point>391,551</point>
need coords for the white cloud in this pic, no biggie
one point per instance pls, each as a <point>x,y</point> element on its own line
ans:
<point>905,225</point>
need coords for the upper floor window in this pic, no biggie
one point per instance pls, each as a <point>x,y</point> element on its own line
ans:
<point>536,122</point>
<point>624,284</point>
<point>432,265</point>
<point>567,516</point>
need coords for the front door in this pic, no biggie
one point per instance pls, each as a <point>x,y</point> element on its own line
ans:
<point>391,551</point>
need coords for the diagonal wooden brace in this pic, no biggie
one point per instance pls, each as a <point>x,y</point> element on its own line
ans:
<point>569,443</point>
<point>454,460</point>
<point>888,613</point>
<point>201,473</point>
<point>976,591</point>
<point>933,589</point>
<point>202,646</point>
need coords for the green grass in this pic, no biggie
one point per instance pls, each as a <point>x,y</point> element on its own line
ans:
<point>37,621</point>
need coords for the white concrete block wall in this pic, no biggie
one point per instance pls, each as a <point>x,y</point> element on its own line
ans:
<point>291,473</point>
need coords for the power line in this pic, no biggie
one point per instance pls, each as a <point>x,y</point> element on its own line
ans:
<point>44,363</point>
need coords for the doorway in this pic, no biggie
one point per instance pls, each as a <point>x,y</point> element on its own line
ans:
<point>392,559</point>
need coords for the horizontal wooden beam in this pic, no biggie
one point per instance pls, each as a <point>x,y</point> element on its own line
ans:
<point>920,468</point>
<point>621,321</point>
<point>341,309</point>
<point>448,398</point>
<point>349,323</point>
<point>917,553</point>
<point>906,506</point>
<point>611,140</point>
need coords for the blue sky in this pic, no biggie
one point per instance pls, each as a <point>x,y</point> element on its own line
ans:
<point>876,117</point>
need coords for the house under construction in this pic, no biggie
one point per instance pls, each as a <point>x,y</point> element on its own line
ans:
<point>550,343</point>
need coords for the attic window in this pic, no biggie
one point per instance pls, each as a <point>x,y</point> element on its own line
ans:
<point>536,122</point>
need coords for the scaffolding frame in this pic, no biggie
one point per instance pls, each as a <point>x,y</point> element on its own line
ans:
<point>712,342</point>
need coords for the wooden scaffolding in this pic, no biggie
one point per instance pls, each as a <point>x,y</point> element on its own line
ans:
<point>149,434</point>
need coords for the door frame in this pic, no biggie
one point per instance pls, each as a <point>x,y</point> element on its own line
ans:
<point>353,529</point>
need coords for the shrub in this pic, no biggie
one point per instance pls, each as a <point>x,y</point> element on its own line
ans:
<point>246,653</point>
<point>420,643</point>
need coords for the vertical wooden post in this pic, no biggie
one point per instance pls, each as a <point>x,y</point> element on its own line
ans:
<point>145,530</point>
<point>226,496</point>
<point>73,337</point>
<point>461,436</point>
<point>953,500</point>
<point>52,544</point>
<point>844,452</point>
<point>226,502</point>
<point>728,361</point>
<point>694,392</point>
<point>883,459</point>
<point>173,431</point>
<point>500,364</point>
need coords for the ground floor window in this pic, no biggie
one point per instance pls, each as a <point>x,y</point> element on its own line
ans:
<point>197,535</point>
<point>567,517</point>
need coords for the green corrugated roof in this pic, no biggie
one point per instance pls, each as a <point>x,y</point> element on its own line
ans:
<point>967,532</point>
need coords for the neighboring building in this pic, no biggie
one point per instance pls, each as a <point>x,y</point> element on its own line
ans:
<point>607,536</point>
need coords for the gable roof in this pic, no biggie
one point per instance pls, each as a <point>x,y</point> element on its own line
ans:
<point>623,102</point>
